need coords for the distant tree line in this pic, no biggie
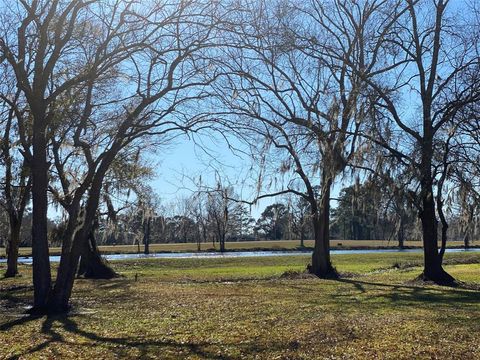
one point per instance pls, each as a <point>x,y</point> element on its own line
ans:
<point>364,211</point>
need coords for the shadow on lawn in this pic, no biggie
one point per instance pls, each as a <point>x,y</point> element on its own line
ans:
<point>144,346</point>
<point>57,328</point>
<point>413,295</point>
<point>14,298</point>
<point>120,346</point>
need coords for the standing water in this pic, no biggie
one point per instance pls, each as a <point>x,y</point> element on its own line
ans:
<point>237,254</point>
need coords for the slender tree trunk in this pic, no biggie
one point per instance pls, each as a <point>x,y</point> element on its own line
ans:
<point>321,262</point>
<point>40,252</point>
<point>466,241</point>
<point>199,241</point>
<point>302,238</point>
<point>468,228</point>
<point>13,244</point>
<point>222,244</point>
<point>444,237</point>
<point>146,235</point>
<point>60,297</point>
<point>59,300</point>
<point>401,233</point>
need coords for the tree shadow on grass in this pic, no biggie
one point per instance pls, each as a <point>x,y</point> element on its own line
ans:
<point>143,345</point>
<point>409,295</point>
<point>146,347</point>
<point>14,300</point>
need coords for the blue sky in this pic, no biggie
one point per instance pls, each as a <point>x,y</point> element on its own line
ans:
<point>179,166</point>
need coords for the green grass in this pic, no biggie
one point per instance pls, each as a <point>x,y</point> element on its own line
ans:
<point>240,308</point>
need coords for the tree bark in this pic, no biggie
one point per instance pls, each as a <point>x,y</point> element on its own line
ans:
<point>433,270</point>
<point>302,236</point>
<point>222,243</point>
<point>146,235</point>
<point>60,297</point>
<point>92,265</point>
<point>12,248</point>
<point>466,241</point>
<point>40,252</point>
<point>59,300</point>
<point>401,233</point>
<point>321,262</point>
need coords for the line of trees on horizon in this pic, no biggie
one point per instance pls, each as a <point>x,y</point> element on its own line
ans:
<point>363,212</point>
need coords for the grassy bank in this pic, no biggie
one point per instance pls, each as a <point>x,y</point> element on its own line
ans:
<point>246,245</point>
<point>261,308</point>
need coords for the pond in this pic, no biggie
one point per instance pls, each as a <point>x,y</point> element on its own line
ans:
<point>236,254</point>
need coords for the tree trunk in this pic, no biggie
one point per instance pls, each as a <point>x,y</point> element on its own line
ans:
<point>302,237</point>
<point>92,265</point>
<point>468,227</point>
<point>222,244</point>
<point>321,263</point>
<point>12,248</point>
<point>59,300</point>
<point>466,241</point>
<point>40,252</point>
<point>433,270</point>
<point>401,233</point>
<point>146,235</point>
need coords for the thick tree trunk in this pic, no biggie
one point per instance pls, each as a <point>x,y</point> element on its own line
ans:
<point>92,265</point>
<point>321,262</point>
<point>40,253</point>
<point>433,270</point>
<point>12,248</point>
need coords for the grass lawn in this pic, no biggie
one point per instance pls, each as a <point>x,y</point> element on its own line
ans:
<point>261,308</point>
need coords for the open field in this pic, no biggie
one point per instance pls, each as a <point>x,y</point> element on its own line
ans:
<point>246,245</point>
<point>245,308</point>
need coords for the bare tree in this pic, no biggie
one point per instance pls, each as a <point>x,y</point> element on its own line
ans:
<point>65,51</point>
<point>199,214</point>
<point>15,186</point>
<point>219,206</point>
<point>40,54</point>
<point>425,77</point>
<point>465,170</point>
<point>292,89</point>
